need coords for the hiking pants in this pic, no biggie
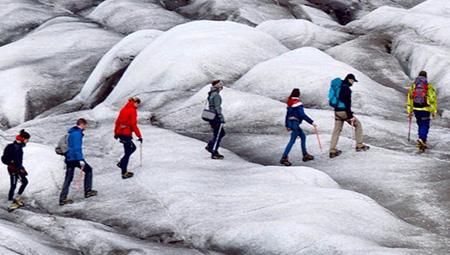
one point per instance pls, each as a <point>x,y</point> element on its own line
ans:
<point>129,148</point>
<point>341,117</point>
<point>14,177</point>
<point>294,134</point>
<point>423,121</point>
<point>70,171</point>
<point>219,133</point>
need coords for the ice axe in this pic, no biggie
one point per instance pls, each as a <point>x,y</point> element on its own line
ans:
<point>318,138</point>
<point>140,155</point>
<point>409,129</point>
<point>80,177</point>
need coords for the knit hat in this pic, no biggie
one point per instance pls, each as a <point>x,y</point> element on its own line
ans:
<point>23,135</point>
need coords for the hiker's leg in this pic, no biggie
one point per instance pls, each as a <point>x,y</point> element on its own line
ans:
<point>13,179</point>
<point>87,169</point>
<point>70,169</point>
<point>294,135</point>
<point>302,136</point>
<point>338,124</point>
<point>24,181</point>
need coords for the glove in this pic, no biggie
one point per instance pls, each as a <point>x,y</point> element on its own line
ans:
<point>288,129</point>
<point>410,115</point>
<point>434,114</point>
<point>82,164</point>
<point>140,140</point>
<point>222,119</point>
<point>23,171</point>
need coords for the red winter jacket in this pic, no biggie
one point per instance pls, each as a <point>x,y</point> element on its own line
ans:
<point>126,123</point>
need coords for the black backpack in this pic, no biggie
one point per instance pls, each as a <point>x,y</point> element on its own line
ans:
<point>8,154</point>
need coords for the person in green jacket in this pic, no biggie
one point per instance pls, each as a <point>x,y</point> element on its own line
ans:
<point>215,105</point>
<point>422,102</point>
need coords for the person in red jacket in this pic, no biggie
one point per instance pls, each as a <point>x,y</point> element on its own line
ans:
<point>126,125</point>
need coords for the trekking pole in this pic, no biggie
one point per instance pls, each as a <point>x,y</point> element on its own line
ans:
<point>80,178</point>
<point>217,138</point>
<point>409,129</point>
<point>140,155</point>
<point>353,132</point>
<point>318,139</point>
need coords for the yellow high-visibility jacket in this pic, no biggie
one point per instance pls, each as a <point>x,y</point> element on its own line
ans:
<point>431,100</point>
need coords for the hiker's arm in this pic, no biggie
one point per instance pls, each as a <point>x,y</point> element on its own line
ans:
<point>218,107</point>
<point>134,126</point>
<point>345,97</point>
<point>432,99</point>
<point>409,102</point>
<point>77,143</point>
<point>303,115</point>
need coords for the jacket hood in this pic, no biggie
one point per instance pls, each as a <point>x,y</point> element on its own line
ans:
<point>214,89</point>
<point>421,80</point>
<point>130,104</point>
<point>294,102</point>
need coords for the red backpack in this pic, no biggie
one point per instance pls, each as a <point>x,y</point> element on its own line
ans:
<point>419,94</point>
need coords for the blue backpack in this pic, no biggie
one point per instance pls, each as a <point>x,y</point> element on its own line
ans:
<point>333,94</point>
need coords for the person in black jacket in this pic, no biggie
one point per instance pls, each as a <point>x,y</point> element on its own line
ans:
<point>346,115</point>
<point>17,170</point>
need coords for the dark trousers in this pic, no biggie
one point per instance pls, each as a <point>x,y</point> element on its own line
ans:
<point>14,178</point>
<point>423,121</point>
<point>70,171</point>
<point>129,148</point>
<point>219,133</point>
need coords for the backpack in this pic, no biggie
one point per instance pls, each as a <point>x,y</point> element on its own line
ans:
<point>333,94</point>
<point>419,94</point>
<point>63,145</point>
<point>207,114</point>
<point>8,154</point>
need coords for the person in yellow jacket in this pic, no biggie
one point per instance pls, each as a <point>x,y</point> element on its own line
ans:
<point>422,101</point>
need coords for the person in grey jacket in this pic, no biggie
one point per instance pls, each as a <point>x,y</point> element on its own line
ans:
<point>215,104</point>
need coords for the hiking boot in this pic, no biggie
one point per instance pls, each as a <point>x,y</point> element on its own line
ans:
<point>127,175</point>
<point>208,149</point>
<point>66,201</point>
<point>13,206</point>
<point>422,145</point>
<point>217,156</point>
<point>90,193</point>
<point>19,201</point>
<point>362,147</point>
<point>335,153</point>
<point>285,161</point>
<point>308,157</point>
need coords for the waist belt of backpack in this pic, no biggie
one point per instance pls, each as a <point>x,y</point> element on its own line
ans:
<point>294,118</point>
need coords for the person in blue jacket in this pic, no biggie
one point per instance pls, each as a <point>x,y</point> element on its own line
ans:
<point>294,117</point>
<point>75,159</point>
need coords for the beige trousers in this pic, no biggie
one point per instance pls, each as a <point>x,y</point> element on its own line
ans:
<point>340,118</point>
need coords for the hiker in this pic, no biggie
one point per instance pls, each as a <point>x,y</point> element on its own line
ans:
<point>422,101</point>
<point>294,117</point>
<point>341,100</point>
<point>75,159</point>
<point>126,125</point>
<point>13,158</point>
<point>215,105</point>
